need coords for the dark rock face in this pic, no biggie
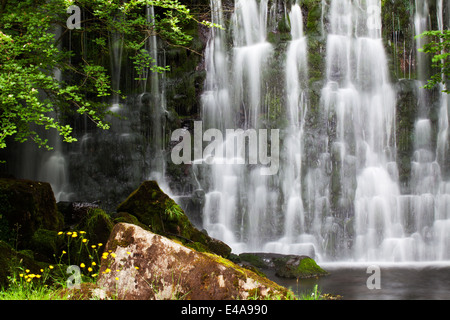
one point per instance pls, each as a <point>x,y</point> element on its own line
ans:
<point>75,212</point>
<point>143,265</point>
<point>285,266</point>
<point>161,215</point>
<point>25,207</point>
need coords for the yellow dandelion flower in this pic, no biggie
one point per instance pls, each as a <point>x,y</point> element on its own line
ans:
<point>27,270</point>
<point>42,270</point>
<point>21,275</point>
<point>82,265</point>
<point>69,233</point>
<point>32,275</point>
<point>137,268</point>
<point>60,233</point>
<point>64,252</point>
<point>93,263</point>
<point>50,267</point>
<point>100,244</point>
<point>93,246</point>
<point>82,232</point>
<point>113,255</point>
<point>38,276</point>
<point>74,235</point>
<point>107,270</point>
<point>90,269</point>
<point>117,278</point>
<point>29,279</point>
<point>128,252</point>
<point>94,275</point>
<point>84,240</point>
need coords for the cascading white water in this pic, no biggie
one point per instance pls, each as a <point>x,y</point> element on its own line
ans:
<point>116,52</point>
<point>238,198</point>
<point>54,164</point>
<point>443,134</point>
<point>347,204</point>
<point>216,101</point>
<point>156,107</point>
<point>296,238</point>
<point>250,51</point>
<point>433,192</point>
<point>359,99</point>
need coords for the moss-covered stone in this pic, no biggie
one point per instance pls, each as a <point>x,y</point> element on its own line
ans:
<point>162,215</point>
<point>28,206</point>
<point>314,15</point>
<point>125,217</point>
<point>45,244</point>
<point>253,259</point>
<point>298,267</point>
<point>11,260</point>
<point>97,225</point>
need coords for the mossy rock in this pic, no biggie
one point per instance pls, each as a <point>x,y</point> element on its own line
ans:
<point>298,267</point>
<point>125,217</point>
<point>27,206</point>
<point>45,244</point>
<point>11,260</point>
<point>253,259</point>
<point>162,215</point>
<point>97,224</point>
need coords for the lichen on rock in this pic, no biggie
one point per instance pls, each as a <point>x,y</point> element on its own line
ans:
<point>143,265</point>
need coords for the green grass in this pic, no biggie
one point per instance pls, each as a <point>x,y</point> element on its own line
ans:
<point>314,295</point>
<point>24,285</point>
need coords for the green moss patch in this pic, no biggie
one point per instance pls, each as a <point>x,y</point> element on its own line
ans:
<point>162,215</point>
<point>298,267</point>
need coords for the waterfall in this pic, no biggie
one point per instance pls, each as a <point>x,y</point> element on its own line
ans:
<point>156,107</point>
<point>49,166</point>
<point>443,134</point>
<point>215,100</point>
<point>250,51</point>
<point>296,238</point>
<point>360,103</point>
<point>238,200</point>
<point>425,211</point>
<point>116,51</point>
<point>54,165</point>
<point>336,195</point>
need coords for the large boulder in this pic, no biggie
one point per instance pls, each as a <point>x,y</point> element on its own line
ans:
<point>162,215</point>
<point>25,207</point>
<point>142,265</point>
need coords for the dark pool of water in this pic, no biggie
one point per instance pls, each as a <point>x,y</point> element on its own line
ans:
<point>397,282</point>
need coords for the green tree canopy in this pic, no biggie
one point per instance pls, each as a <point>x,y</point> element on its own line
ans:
<point>439,48</point>
<point>31,52</point>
